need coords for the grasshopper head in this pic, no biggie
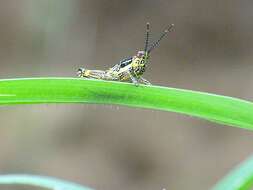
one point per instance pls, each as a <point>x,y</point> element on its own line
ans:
<point>142,56</point>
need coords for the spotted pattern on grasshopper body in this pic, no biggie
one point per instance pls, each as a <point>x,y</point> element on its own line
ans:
<point>130,69</point>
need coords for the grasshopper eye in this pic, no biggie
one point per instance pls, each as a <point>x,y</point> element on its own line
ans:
<point>140,54</point>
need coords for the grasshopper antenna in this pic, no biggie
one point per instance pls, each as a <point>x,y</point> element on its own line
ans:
<point>166,31</point>
<point>147,37</point>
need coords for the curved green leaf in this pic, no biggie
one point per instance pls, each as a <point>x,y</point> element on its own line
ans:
<point>40,181</point>
<point>241,178</point>
<point>220,109</point>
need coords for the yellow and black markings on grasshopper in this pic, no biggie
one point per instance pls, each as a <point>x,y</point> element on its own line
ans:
<point>130,69</point>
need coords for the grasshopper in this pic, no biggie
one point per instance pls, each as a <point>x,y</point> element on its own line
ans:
<point>130,69</point>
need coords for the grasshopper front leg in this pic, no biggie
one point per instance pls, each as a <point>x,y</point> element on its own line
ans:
<point>134,79</point>
<point>144,81</point>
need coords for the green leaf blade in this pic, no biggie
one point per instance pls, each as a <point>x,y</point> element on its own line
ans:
<point>220,109</point>
<point>240,178</point>
<point>40,181</point>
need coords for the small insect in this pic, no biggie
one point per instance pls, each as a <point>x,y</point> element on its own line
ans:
<point>130,69</point>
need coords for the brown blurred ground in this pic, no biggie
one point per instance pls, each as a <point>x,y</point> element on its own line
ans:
<point>110,147</point>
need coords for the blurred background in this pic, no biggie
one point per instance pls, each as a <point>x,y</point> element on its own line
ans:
<point>113,147</point>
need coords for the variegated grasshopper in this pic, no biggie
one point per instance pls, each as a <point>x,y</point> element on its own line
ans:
<point>130,69</point>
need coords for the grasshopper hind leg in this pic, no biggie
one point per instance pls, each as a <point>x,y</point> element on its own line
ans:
<point>93,74</point>
<point>144,81</point>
